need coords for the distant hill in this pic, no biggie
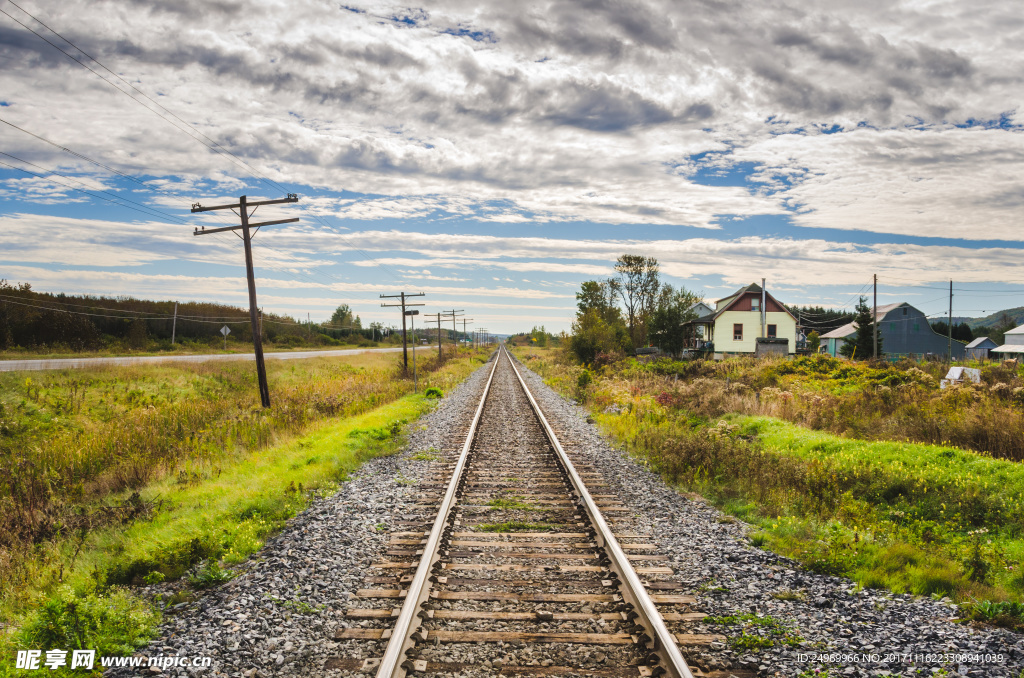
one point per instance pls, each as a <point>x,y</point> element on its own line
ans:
<point>988,321</point>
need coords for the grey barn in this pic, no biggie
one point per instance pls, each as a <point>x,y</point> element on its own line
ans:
<point>903,330</point>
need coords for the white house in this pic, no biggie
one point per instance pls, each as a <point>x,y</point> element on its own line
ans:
<point>1013,344</point>
<point>749,322</point>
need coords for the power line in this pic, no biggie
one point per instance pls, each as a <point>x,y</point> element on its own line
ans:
<point>166,215</point>
<point>150,213</point>
<point>187,129</point>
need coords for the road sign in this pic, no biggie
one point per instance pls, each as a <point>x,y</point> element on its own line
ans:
<point>225,331</point>
<point>412,312</point>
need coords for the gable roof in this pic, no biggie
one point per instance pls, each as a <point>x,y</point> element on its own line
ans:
<point>977,343</point>
<point>726,302</point>
<point>1015,330</point>
<point>841,332</point>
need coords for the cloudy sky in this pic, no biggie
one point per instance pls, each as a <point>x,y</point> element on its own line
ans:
<point>495,155</point>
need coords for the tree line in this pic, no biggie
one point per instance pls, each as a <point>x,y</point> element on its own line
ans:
<point>37,320</point>
<point>630,310</point>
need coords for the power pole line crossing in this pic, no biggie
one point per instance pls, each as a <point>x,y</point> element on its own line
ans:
<point>243,211</point>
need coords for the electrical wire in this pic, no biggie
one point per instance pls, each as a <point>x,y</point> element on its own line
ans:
<point>186,128</point>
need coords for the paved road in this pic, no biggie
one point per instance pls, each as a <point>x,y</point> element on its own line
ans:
<point>72,363</point>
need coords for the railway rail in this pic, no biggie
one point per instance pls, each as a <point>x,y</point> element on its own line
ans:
<point>514,566</point>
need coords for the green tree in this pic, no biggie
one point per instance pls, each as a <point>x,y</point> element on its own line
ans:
<point>639,284</point>
<point>667,324</point>
<point>539,336</point>
<point>813,341</point>
<point>862,345</point>
<point>343,317</point>
<point>590,335</point>
<point>599,295</point>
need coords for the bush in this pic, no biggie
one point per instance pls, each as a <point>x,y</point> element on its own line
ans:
<point>112,624</point>
<point>433,392</point>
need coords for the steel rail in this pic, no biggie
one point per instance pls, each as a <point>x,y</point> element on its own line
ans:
<point>394,664</point>
<point>660,640</point>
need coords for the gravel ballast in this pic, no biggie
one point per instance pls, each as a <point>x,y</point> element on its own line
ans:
<point>280,615</point>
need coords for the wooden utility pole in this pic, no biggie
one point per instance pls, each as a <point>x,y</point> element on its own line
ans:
<point>243,211</point>
<point>874,325</point>
<point>950,328</point>
<point>464,333</point>
<point>174,323</point>
<point>415,378</point>
<point>403,296</point>
<point>453,313</point>
<point>439,357</point>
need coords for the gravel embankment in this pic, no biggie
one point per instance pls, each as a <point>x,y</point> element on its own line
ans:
<point>880,633</point>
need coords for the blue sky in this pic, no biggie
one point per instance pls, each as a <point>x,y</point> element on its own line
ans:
<point>494,157</point>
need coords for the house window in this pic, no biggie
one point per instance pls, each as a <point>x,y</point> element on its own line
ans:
<point>737,332</point>
<point>755,304</point>
<point>904,310</point>
<point>892,327</point>
<point>916,327</point>
<point>771,331</point>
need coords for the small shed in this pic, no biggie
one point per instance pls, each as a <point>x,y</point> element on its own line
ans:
<point>961,375</point>
<point>980,348</point>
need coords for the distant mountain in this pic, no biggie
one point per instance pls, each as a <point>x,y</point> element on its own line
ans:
<point>988,321</point>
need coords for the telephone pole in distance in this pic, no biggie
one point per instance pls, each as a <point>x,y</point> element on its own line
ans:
<point>403,296</point>
<point>243,212</point>
<point>875,323</point>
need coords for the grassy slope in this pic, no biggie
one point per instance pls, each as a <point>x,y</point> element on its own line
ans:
<point>217,509</point>
<point>897,515</point>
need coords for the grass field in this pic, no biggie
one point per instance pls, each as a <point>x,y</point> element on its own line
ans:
<point>911,517</point>
<point>123,476</point>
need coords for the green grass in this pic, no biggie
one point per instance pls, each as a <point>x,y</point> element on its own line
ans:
<point>219,522</point>
<point>519,526</point>
<point>511,503</point>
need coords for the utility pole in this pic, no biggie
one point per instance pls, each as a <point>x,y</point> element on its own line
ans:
<point>763,300</point>
<point>875,324</point>
<point>174,323</point>
<point>243,212</point>
<point>464,319</point>
<point>403,296</point>
<point>415,378</point>
<point>950,328</point>
<point>455,331</point>
<point>439,357</point>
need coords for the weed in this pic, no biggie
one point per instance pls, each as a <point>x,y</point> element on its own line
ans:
<point>433,392</point>
<point>154,577</point>
<point>381,527</point>
<point>114,623</point>
<point>430,455</point>
<point>299,606</point>
<point>210,574</point>
<point>747,642</point>
<point>518,526</point>
<point>1008,614</point>
<point>511,503</point>
<point>789,594</point>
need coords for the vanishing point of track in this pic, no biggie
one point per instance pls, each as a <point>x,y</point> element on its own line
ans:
<point>522,571</point>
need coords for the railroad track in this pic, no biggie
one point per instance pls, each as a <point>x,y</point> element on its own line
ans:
<point>521,564</point>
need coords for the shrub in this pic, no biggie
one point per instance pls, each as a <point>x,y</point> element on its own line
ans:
<point>114,623</point>
<point>433,392</point>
